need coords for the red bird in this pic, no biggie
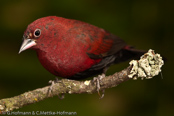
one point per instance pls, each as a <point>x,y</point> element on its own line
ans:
<point>74,49</point>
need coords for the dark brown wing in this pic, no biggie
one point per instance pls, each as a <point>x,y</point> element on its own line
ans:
<point>108,48</point>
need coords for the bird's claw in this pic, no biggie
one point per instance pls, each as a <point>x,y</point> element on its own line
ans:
<point>62,96</point>
<point>97,80</point>
<point>103,94</point>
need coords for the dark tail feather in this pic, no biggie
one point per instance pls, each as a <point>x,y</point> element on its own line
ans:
<point>129,53</point>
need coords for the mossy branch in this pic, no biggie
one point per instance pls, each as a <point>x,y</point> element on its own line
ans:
<point>147,67</point>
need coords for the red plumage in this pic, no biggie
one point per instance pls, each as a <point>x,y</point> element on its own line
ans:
<point>74,49</point>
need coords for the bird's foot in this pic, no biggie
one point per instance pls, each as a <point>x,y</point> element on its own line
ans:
<point>97,80</point>
<point>53,82</point>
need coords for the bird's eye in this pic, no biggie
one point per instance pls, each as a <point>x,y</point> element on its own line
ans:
<point>37,32</point>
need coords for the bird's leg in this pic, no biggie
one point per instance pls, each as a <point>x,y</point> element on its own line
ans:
<point>97,80</point>
<point>53,82</point>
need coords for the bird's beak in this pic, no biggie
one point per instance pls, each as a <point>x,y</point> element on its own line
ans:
<point>27,43</point>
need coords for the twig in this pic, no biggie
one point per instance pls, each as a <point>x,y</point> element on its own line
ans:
<point>135,70</point>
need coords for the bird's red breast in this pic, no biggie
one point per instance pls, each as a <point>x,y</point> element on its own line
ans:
<point>66,47</point>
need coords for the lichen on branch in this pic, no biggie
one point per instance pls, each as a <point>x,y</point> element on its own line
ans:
<point>147,67</point>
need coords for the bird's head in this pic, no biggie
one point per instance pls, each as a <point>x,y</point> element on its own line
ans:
<point>39,33</point>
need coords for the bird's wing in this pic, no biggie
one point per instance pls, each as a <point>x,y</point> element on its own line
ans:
<point>105,46</point>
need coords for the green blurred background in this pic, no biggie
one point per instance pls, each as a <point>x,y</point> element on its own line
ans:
<point>143,24</point>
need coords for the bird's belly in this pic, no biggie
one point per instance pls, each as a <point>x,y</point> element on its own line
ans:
<point>64,65</point>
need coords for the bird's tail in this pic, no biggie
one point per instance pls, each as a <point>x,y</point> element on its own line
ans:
<point>128,53</point>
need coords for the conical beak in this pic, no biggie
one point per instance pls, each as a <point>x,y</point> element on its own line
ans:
<point>27,43</point>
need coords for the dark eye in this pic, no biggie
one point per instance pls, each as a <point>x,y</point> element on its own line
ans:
<point>37,32</point>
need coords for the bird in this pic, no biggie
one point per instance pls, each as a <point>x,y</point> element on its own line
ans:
<point>74,49</point>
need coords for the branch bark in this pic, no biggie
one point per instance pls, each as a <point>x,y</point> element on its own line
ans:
<point>63,86</point>
<point>144,68</point>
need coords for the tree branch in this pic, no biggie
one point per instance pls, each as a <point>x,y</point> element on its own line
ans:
<point>147,67</point>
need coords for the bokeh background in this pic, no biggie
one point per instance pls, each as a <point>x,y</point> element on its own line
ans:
<point>143,24</point>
